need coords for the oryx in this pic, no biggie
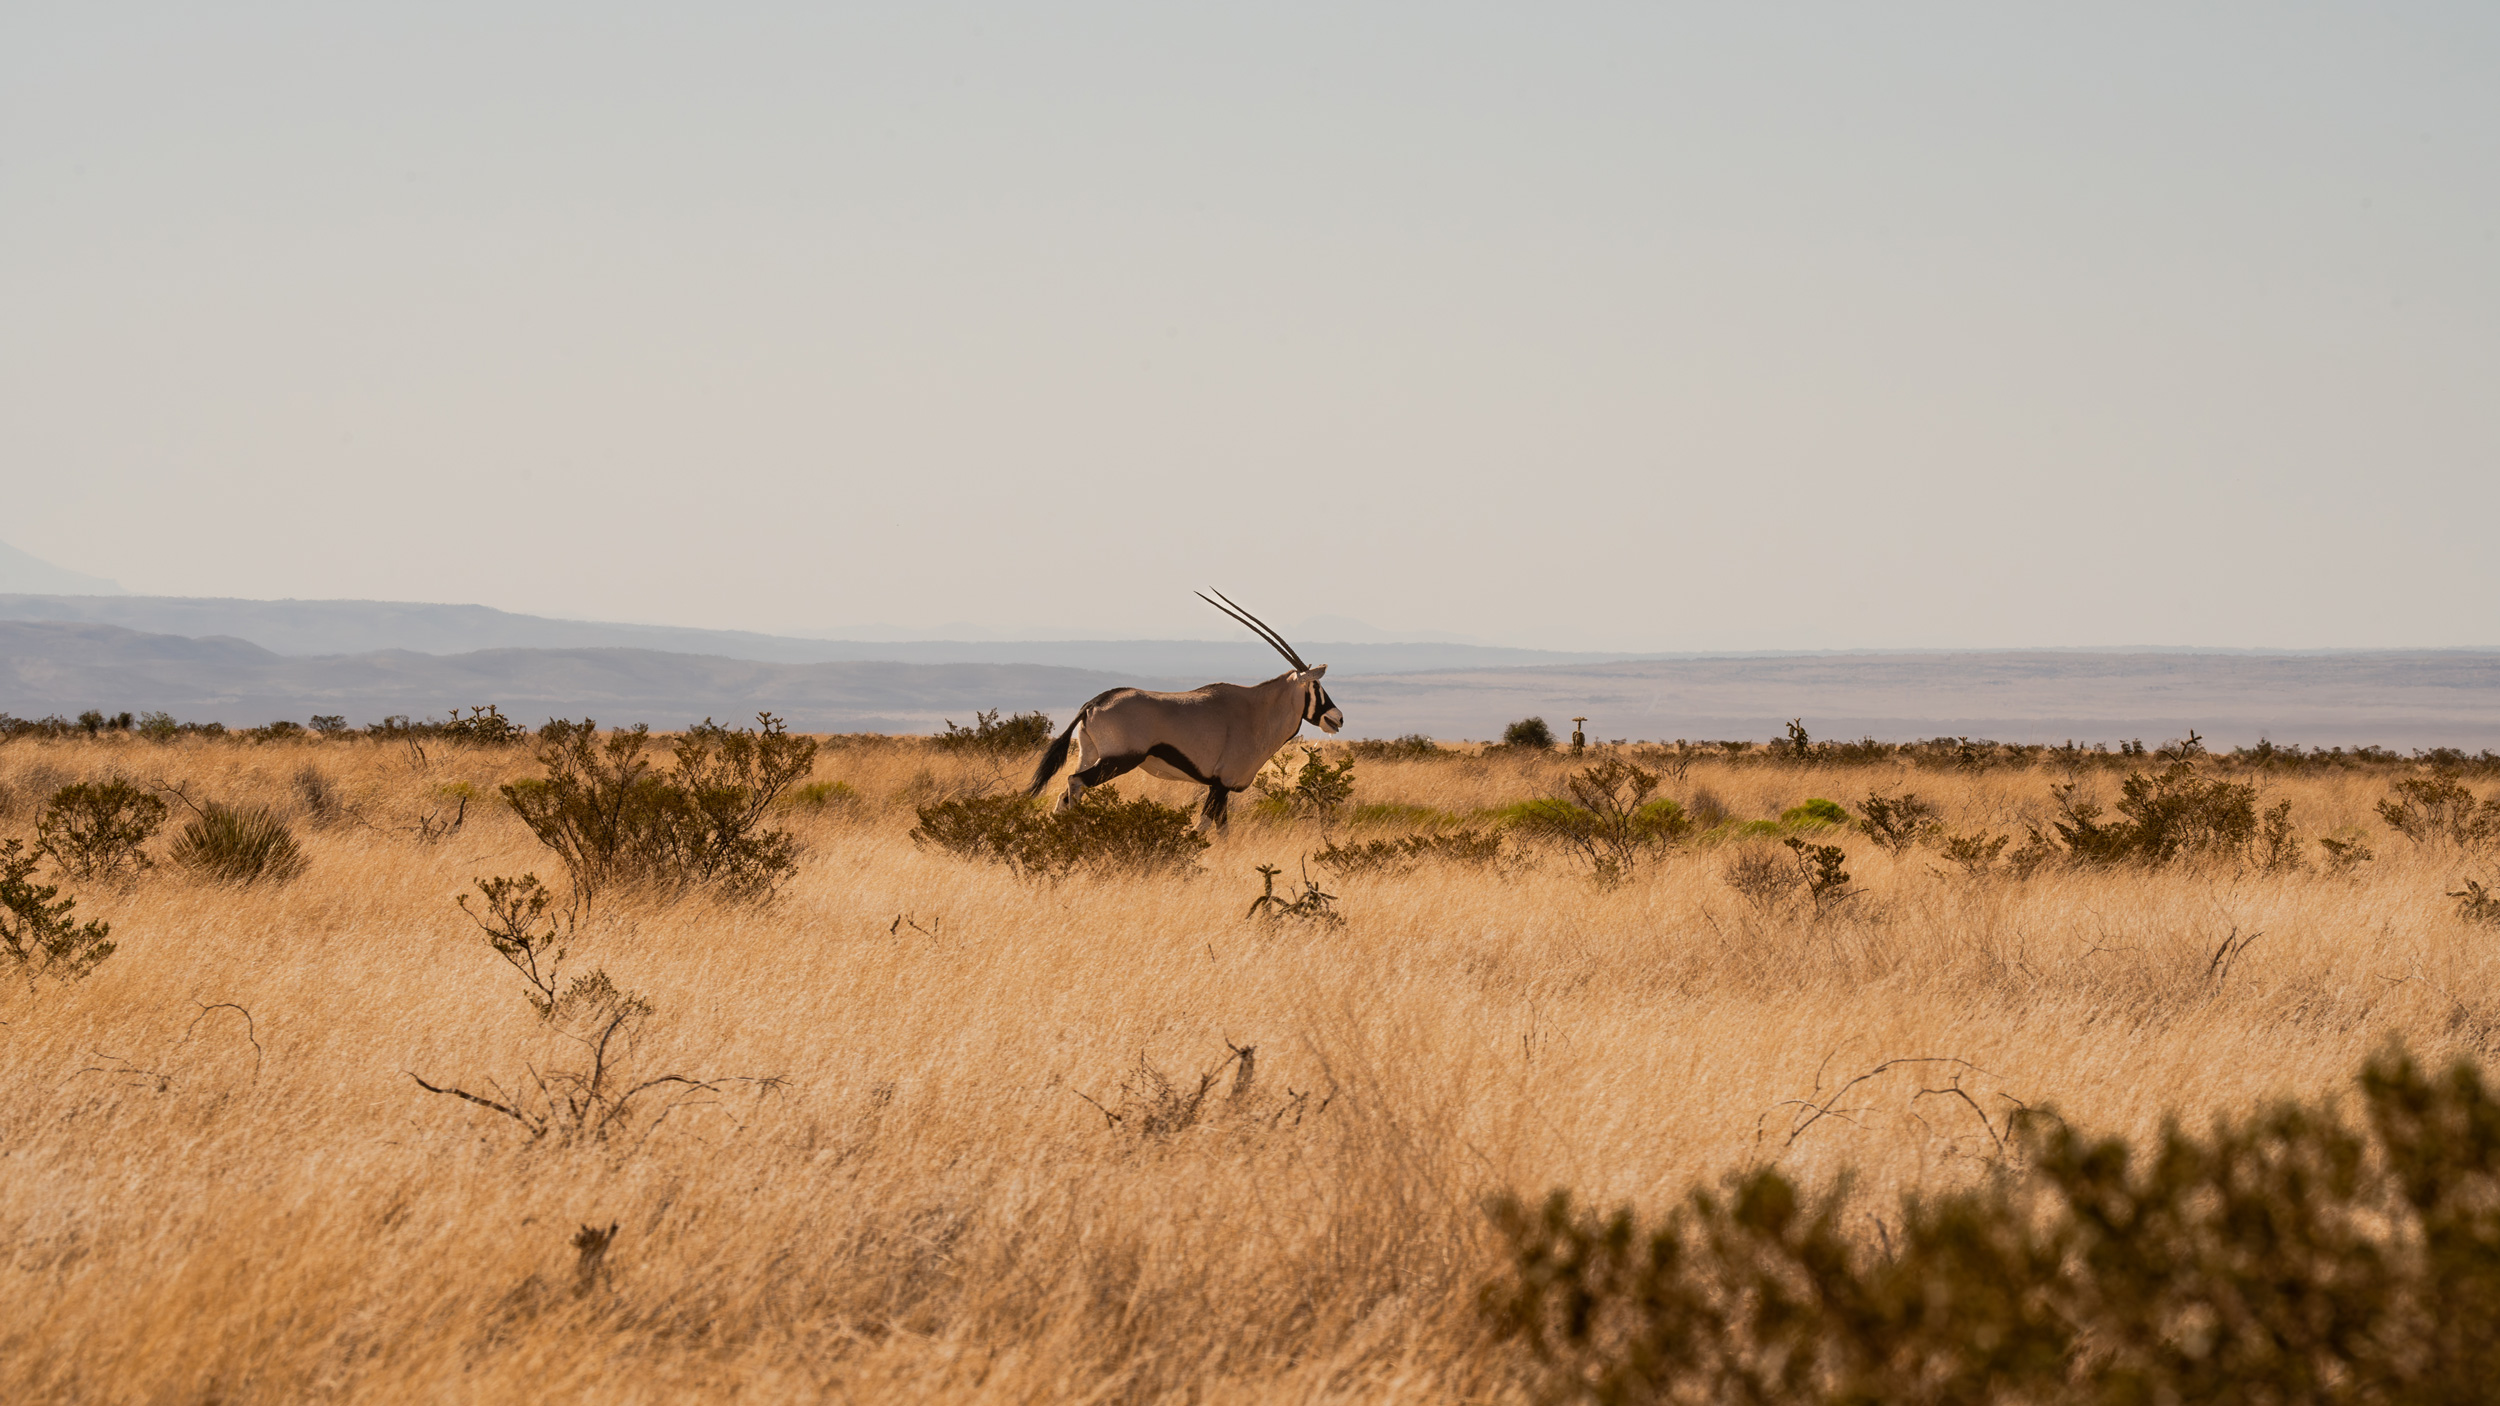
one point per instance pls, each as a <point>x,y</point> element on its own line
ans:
<point>1218,736</point>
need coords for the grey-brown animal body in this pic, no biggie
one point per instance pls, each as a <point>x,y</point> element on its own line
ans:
<point>1217,736</point>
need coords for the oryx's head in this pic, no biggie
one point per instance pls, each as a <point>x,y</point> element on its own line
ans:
<point>1317,707</point>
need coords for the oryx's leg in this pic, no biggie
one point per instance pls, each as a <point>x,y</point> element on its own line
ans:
<point>1092,768</point>
<point>1211,815</point>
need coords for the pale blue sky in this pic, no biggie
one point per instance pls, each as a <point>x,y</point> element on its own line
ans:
<point>1583,325</point>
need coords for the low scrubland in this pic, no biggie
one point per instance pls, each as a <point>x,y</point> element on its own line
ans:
<point>427,1064</point>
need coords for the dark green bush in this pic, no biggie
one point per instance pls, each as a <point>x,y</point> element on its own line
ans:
<point>1025,732</point>
<point>238,845</point>
<point>1414,746</point>
<point>1101,833</point>
<point>2283,1258</point>
<point>2174,814</point>
<point>483,726</point>
<point>617,820</point>
<point>36,929</point>
<point>97,830</point>
<point>1530,733</point>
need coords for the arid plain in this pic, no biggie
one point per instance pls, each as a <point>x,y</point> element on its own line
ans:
<point>936,1153</point>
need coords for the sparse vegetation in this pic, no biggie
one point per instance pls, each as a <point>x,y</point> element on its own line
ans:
<point>1300,1119</point>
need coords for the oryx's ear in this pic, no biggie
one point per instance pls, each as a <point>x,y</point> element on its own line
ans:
<point>1315,673</point>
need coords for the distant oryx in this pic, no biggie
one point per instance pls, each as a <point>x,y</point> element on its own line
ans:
<point>1218,736</point>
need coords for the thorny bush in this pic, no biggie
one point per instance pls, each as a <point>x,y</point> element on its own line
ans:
<point>1310,906</point>
<point>2286,1257</point>
<point>1025,732</point>
<point>2164,817</point>
<point>1610,820</point>
<point>1407,853</point>
<point>1101,834</point>
<point>1319,791</point>
<point>2440,810</point>
<point>617,819</point>
<point>97,830</point>
<point>1898,822</point>
<point>597,1095</point>
<point>36,929</point>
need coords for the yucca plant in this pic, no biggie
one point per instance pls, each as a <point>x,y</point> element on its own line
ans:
<point>238,845</point>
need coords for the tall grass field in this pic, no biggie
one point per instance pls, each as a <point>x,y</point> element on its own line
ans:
<point>921,1126</point>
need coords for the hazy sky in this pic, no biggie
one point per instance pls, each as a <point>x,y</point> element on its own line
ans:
<point>1627,326</point>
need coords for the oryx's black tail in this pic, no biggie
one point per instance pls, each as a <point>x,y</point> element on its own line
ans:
<point>1051,759</point>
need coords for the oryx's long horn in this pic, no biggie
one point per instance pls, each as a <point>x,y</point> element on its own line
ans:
<point>1256,625</point>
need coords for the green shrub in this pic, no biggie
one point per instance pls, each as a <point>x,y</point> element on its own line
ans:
<point>1101,834</point>
<point>36,929</point>
<point>617,820</point>
<point>1529,733</point>
<point>1396,813</point>
<point>1025,732</point>
<point>1317,791</point>
<point>821,795</point>
<point>238,845</point>
<point>1414,746</point>
<point>159,727</point>
<point>1470,848</point>
<point>2285,1257</point>
<point>96,831</point>
<point>1609,821</point>
<point>1815,811</point>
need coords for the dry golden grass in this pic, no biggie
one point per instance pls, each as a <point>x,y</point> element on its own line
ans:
<point>201,1209</point>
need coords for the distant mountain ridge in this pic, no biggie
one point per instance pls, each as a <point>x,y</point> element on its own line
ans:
<point>24,571</point>
<point>2419,698</point>
<point>306,628</point>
